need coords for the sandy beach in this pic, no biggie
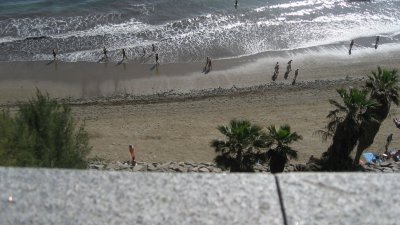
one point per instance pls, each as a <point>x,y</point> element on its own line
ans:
<point>182,131</point>
<point>171,113</point>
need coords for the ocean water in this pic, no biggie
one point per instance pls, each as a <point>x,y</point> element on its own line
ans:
<point>190,30</point>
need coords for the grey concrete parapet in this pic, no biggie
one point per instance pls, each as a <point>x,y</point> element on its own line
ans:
<point>71,197</point>
<point>341,198</point>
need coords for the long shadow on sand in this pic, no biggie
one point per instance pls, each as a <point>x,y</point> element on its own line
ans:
<point>120,62</point>
<point>146,59</point>
<point>206,70</point>
<point>103,59</point>
<point>154,66</point>
<point>275,76</point>
<point>49,63</point>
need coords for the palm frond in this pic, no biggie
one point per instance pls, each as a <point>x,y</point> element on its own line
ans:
<point>324,134</point>
<point>340,108</point>
<point>243,141</point>
<point>290,153</point>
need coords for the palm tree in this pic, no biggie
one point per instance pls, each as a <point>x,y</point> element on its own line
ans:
<point>243,147</point>
<point>384,88</point>
<point>344,127</point>
<point>281,152</point>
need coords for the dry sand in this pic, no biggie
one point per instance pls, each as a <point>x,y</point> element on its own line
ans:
<point>182,131</point>
<point>181,128</point>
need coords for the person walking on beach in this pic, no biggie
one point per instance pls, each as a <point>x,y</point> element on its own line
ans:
<point>157,59</point>
<point>388,141</point>
<point>277,68</point>
<point>105,52</point>
<point>276,71</point>
<point>133,155</point>
<point>296,73</point>
<point>54,54</point>
<point>376,42</point>
<point>236,4</point>
<point>289,66</point>
<point>124,55</point>
<point>288,69</point>
<point>205,65</point>
<point>209,65</point>
<point>351,46</point>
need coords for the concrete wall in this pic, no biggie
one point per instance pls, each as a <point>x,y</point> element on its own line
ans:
<point>44,196</point>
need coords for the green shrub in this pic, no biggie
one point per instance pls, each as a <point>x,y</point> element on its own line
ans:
<point>43,133</point>
<point>242,147</point>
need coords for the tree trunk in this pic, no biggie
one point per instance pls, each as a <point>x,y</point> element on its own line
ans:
<point>356,161</point>
<point>369,131</point>
<point>337,157</point>
<point>277,163</point>
<point>239,162</point>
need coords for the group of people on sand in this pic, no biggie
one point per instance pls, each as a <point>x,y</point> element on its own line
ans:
<point>388,153</point>
<point>153,47</point>
<point>352,43</point>
<point>123,52</point>
<point>288,70</point>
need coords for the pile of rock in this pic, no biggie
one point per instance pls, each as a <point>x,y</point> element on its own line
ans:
<point>192,167</point>
<point>386,167</point>
<point>180,167</point>
<point>172,95</point>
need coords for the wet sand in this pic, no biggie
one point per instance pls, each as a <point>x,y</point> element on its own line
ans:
<point>179,107</point>
<point>19,80</point>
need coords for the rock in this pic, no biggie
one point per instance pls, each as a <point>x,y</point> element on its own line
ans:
<point>300,167</point>
<point>216,170</point>
<point>193,169</point>
<point>138,168</point>
<point>385,164</point>
<point>367,169</point>
<point>182,169</point>
<point>387,170</point>
<point>203,170</point>
<point>163,169</point>
<point>165,165</point>
<point>189,164</point>
<point>97,167</point>
<point>151,167</point>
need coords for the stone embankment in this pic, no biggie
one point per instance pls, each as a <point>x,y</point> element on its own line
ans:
<point>174,95</point>
<point>185,167</point>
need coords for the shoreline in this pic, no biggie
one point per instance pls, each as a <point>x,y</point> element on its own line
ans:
<point>84,80</point>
